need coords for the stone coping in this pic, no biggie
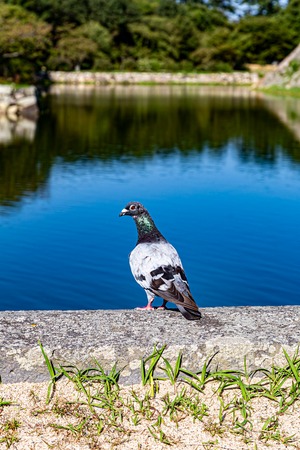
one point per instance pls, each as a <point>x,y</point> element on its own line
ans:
<point>126,336</point>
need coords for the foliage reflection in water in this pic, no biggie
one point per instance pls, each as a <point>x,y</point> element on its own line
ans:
<point>217,168</point>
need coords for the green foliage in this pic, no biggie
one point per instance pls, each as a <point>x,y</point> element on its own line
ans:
<point>98,34</point>
<point>205,19</point>
<point>56,12</point>
<point>73,49</point>
<point>290,17</point>
<point>24,41</point>
<point>4,402</point>
<point>155,40</point>
<point>114,14</point>
<point>257,40</point>
<point>215,52</point>
<point>187,36</point>
<point>232,390</point>
<point>263,7</point>
<point>152,35</point>
<point>53,372</point>
<point>168,8</point>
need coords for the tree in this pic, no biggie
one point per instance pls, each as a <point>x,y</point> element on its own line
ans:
<point>114,14</point>
<point>73,49</point>
<point>98,34</point>
<point>145,34</point>
<point>205,18</point>
<point>215,52</point>
<point>262,7</point>
<point>187,36</point>
<point>168,8</point>
<point>57,12</point>
<point>291,19</point>
<point>258,40</point>
<point>24,42</point>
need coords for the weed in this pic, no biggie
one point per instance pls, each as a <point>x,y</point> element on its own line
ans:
<point>183,405</point>
<point>54,375</point>
<point>74,429</point>
<point>101,407</point>
<point>210,445</point>
<point>4,402</point>
<point>172,373</point>
<point>270,431</point>
<point>213,428</point>
<point>8,432</point>
<point>147,373</point>
<point>159,435</point>
<point>11,425</point>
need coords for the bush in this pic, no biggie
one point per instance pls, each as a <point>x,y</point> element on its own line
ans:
<point>102,63</point>
<point>128,64</point>
<point>149,65</point>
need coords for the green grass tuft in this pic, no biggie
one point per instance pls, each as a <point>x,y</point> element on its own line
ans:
<point>233,390</point>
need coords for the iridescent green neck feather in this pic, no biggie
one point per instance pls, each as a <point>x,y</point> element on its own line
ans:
<point>146,228</point>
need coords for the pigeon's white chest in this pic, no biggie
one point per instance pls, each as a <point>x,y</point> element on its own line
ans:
<point>147,257</point>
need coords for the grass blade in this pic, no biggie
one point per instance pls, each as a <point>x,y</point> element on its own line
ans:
<point>54,375</point>
<point>292,366</point>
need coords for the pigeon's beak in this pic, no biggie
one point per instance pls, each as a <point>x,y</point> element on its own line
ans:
<point>123,212</point>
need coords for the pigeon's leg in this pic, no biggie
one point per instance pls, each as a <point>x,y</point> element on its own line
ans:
<point>150,298</point>
<point>163,306</point>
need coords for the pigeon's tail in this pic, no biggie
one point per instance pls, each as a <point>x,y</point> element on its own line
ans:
<point>189,314</point>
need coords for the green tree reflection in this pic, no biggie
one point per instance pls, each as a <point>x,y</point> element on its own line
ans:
<point>121,124</point>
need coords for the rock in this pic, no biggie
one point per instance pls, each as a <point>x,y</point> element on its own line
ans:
<point>18,102</point>
<point>287,73</point>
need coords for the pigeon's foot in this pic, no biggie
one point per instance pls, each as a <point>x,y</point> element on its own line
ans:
<point>163,306</point>
<point>145,308</point>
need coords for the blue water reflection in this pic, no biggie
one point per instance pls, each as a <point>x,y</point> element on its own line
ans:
<point>231,208</point>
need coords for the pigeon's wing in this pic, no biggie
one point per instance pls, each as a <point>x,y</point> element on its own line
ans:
<point>158,269</point>
<point>170,283</point>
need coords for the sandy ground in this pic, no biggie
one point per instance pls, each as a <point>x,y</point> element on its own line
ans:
<point>65,423</point>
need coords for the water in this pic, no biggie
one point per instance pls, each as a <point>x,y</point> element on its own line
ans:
<point>219,170</point>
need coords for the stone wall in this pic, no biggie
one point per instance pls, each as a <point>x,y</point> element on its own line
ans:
<point>287,73</point>
<point>104,78</point>
<point>18,102</point>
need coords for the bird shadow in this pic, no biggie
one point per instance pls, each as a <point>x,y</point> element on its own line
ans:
<point>168,309</point>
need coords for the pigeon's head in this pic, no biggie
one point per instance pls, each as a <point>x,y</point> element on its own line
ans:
<point>133,209</point>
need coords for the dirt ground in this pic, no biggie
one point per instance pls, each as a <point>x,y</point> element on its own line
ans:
<point>136,421</point>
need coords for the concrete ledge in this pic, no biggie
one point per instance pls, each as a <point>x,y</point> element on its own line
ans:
<point>259,333</point>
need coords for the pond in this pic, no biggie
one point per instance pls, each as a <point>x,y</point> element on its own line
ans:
<point>218,169</point>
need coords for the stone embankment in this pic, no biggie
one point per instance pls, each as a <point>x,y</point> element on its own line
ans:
<point>106,78</point>
<point>287,73</point>
<point>125,337</point>
<point>18,102</point>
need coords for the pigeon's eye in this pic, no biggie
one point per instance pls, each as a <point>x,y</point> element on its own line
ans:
<point>132,207</point>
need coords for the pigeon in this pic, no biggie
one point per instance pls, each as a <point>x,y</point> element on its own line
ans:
<point>156,266</point>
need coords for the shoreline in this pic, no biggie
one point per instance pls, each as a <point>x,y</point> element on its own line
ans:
<point>128,78</point>
<point>254,81</point>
